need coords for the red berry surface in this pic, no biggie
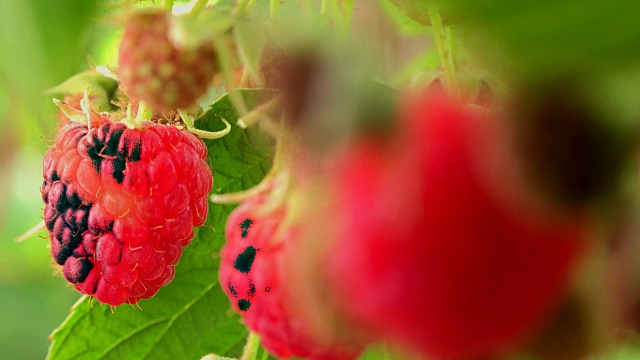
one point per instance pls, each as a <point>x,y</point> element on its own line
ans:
<point>252,278</point>
<point>154,70</point>
<point>429,255</point>
<point>120,205</point>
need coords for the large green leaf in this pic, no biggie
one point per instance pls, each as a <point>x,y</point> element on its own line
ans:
<point>190,317</point>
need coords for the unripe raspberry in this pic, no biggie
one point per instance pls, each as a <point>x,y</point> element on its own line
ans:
<point>154,70</point>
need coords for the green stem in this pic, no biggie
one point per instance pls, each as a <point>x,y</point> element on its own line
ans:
<point>265,184</point>
<point>274,10</point>
<point>241,6</point>
<point>144,113</point>
<point>324,7</point>
<point>256,114</point>
<point>167,5</point>
<point>197,7</point>
<point>444,50</point>
<point>265,354</point>
<point>251,348</point>
<point>212,135</point>
<point>224,59</point>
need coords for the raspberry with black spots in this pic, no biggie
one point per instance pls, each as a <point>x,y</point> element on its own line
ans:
<point>121,203</point>
<point>253,280</point>
<point>153,69</point>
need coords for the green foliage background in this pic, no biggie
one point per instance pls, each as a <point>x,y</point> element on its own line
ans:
<point>43,42</point>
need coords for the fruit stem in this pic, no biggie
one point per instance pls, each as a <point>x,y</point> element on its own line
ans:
<point>211,135</point>
<point>274,10</point>
<point>444,50</point>
<point>256,114</point>
<point>225,63</point>
<point>31,232</point>
<point>251,348</point>
<point>241,6</point>
<point>144,113</point>
<point>197,6</point>
<point>130,121</point>
<point>167,5</point>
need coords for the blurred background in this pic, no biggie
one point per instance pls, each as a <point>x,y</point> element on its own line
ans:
<point>42,43</point>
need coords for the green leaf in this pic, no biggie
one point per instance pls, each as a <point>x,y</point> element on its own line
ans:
<point>552,36</point>
<point>191,317</point>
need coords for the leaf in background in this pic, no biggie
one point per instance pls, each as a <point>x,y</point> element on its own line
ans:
<point>190,317</point>
<point>551,36</point>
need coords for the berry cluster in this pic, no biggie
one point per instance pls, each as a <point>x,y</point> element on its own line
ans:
<point>121,203</point>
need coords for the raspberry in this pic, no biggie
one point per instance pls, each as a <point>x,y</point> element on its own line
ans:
<point>429,255</point>
<point>120,205</point>
<point>154,70</point>
<point>253,281</point>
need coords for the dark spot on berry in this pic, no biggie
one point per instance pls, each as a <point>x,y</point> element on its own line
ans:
<point>267,289</point>
<point>245,225</point>
<point>252,289</point>
<point>119,165</point>
<point>76,270</point>
<point>54,176</point>
<point>58,197</point>
<point>73,198</point>
<point>244,261</point>
<point>111,142</point>
<point>244,305</point>
<point>135,152</point>
<point>232,289</point>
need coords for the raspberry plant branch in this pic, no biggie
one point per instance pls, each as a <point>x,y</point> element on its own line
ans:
<point>444,50</point>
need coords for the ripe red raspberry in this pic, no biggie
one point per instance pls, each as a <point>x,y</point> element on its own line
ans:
<point>121,203</point>
<point>429,254</point>
<point>154,70</point>
<point>252,278</point>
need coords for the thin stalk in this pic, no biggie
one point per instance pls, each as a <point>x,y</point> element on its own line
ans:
<point>241,6</point>
<point>167,5</point>
<point>324,7</point>
<point>264,185</point>
<point>274,9</point>
<point>224,59</point>
<point>256,114</point>
<point>197,7</point>
<point>144,113</point>
<point>444,50</point>
<point>211,135</point>
<point>251,348</point>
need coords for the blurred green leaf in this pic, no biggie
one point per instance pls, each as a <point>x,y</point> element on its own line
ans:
<point>553,36</point>
<point>190,317</point>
